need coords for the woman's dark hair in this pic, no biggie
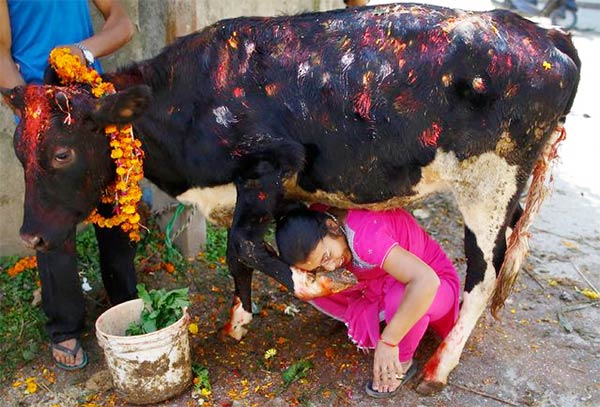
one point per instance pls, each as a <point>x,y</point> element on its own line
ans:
<point>298,233</point>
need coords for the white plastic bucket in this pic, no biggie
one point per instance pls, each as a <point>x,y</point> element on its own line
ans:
<point>145,368</point>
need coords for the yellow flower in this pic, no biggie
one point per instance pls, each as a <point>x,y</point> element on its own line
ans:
<point>31,385</point>
<point>193,328</point>
<point>116,153</point>
<point>592,295</point>
<point>270,353</point>
<point>547,65</point>
<point>205,392</point>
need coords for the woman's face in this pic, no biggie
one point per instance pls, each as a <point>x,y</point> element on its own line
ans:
<point>331,253</point>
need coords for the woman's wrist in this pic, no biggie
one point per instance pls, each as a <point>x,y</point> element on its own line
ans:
<point>387,343</point>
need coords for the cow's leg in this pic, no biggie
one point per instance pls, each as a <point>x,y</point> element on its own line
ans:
<point>241,310</point>
<point>258,199</point>
<point>486,191</point>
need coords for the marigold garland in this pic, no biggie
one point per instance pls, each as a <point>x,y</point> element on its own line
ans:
<point>125,193</point>
<point>25,263</point>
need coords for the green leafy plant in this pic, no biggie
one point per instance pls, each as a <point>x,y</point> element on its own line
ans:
<point>296,371</point>
<point>200,377</point>
<point>161,309</point>
<point>21,321</point>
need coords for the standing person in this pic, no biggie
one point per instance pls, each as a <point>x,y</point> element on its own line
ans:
<point>29,30</point>
<point>403,277</point>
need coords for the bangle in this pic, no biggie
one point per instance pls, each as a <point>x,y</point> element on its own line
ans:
<point>391,345</point>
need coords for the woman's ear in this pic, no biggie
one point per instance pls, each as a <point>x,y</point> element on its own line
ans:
<point>333,227</point>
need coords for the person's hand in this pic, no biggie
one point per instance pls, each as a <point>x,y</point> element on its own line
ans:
<point>387,370</point>
<point>75,51</point>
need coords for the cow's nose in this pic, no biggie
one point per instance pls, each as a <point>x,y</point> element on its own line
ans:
<point>34,242</point>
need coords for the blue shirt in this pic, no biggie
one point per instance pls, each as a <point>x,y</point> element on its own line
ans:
<point>37,26</point>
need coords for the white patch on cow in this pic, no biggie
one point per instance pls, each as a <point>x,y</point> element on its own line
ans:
<point>223,116</point>
<point>216,204</point>
<point>384,71</point>
<point>303,69</point>
<point>325,78</point>
<point>304,110</point>
<point>336,25</point>
<point>482,186</point>
<point>468,25</point>
<point>250,47</point>
<point>347,60</point>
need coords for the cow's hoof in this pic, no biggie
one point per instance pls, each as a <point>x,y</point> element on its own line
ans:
<point>238,320</point>
<point>429,388</point>
<point>313,285</point>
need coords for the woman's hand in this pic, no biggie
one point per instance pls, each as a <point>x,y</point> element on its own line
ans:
<point>387,371</point>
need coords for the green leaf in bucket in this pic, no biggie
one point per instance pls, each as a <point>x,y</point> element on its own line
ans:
<point>161,309</point>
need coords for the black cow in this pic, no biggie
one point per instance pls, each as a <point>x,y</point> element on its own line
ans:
<point>373,107</point>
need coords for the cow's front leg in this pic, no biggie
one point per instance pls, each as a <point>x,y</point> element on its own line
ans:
<point>240,314</point>
<point>257,199</point>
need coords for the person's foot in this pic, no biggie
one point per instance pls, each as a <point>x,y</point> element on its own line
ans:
<point>409,370</point>
<point>69,354</point>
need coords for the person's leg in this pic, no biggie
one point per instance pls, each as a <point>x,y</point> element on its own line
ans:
<point>441,310</point>
<point>62,300</point>
<point>116,263</point>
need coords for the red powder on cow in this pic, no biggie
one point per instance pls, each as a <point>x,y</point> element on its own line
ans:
<point>362,105</point>
<point>431,135</point>
<point>221,79</point>
<point>271,89</point>
<point>239,92</point>
<point>433,363</point>
<point>37,115</point>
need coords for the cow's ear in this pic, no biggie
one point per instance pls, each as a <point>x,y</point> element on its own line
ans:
<point>14,98</point>
<point>122,107</point>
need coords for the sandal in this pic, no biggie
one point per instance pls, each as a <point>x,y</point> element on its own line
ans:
<point>412,370</point>
<point>73,352</point>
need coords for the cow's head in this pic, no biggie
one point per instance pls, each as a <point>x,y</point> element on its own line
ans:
<point>64,151</point>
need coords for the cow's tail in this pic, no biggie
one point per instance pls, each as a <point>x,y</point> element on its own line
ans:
<point>518,243</point>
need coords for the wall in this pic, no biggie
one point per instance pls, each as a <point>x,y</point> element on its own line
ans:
<point>157,21</point>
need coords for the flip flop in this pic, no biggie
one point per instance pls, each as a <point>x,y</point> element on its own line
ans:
<point>72,352</point>
<point>412,370</point>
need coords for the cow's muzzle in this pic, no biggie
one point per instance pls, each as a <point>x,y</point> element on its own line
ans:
<point>34,242</point>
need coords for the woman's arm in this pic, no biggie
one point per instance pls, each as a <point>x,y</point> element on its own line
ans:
<point>421,286</point>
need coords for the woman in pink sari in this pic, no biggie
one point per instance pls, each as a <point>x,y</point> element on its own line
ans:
<point>403,276</point>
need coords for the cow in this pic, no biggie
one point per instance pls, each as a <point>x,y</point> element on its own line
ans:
<point>372,107</point>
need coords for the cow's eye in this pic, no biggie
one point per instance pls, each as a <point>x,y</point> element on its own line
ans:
<point>63,156</point>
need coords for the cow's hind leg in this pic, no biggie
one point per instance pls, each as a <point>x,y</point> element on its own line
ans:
<point>485,191</point>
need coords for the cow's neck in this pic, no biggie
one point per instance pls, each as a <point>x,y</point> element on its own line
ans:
<point>164,128</point>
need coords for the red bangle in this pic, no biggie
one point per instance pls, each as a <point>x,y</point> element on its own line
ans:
<point>391,345</point>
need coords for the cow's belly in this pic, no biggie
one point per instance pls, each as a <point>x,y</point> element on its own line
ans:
<point>477,179</point>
